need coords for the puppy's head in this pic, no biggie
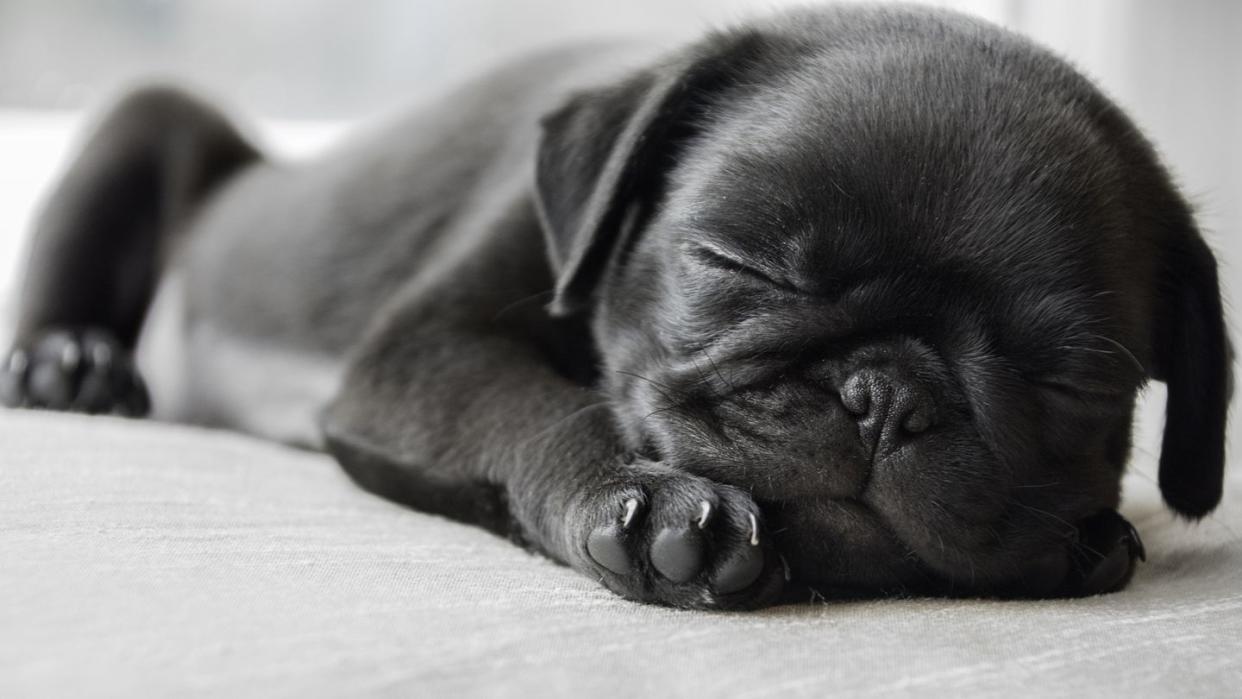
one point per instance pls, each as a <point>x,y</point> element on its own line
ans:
<point>900,275</point>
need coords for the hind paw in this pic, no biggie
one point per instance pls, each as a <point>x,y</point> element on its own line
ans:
<point>84,370</point>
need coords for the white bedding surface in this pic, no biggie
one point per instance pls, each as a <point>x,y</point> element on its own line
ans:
<point>141,559</point>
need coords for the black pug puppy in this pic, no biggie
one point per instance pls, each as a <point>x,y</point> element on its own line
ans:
<point>858,298</point>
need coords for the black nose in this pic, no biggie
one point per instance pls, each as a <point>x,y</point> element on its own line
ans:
<point>889,410</point>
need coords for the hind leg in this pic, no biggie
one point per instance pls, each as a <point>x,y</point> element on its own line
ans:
<point>99,247</point>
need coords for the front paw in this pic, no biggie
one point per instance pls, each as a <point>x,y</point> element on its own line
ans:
<point>1105,555</point>
<point>78,370</point>
<point>658,535</point>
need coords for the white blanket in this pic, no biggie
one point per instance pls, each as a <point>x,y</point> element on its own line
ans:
<point>143,559</point>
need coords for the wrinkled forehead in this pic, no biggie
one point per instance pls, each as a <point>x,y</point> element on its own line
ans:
<point>909,208</point>
<point>845,173</point>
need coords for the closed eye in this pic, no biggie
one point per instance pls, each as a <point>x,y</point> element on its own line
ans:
<point>718,259</point>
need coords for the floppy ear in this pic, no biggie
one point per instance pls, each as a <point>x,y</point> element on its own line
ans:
<point>1193,357</point>
<point>607,151</point>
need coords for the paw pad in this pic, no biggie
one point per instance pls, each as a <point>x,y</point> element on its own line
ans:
<point>686,542</point>
<point>678,554</point>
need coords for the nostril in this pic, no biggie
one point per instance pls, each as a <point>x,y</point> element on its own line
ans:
<point>917,414</point>
<point>917,421</point>
<point>856,395</point>
<point>912,410</point>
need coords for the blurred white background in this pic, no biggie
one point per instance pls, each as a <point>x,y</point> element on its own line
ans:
<point>1175,66</point>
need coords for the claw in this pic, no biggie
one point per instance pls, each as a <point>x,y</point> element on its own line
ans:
<point>18,361</point>
<point>785,565</point>
<point>705,512</point>
<point>70,356</point>
<point>101,354</point>
<point>631,507</point>
<point>754,529</point>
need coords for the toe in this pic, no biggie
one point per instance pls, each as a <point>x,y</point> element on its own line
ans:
<point>49,386</point>
<point>677,553</point>
<point>606,548</point>
<point>54,360</point>
<point>739,571</point>
<point>1110,573</point>
<point>608,544</point>
<point>135,400</point>
<point>94,393</point>
<point>13,378</point>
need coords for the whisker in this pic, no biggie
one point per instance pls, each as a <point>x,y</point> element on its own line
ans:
<point>644,378</point>
<point>1047,514</point>
<point>717,370</point>
<point>1039,485</point>
<point>703,378</point>
<point>1125,351</point>
<point>662,388</point>
<point>657,411</point>
<point>521,301</point>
